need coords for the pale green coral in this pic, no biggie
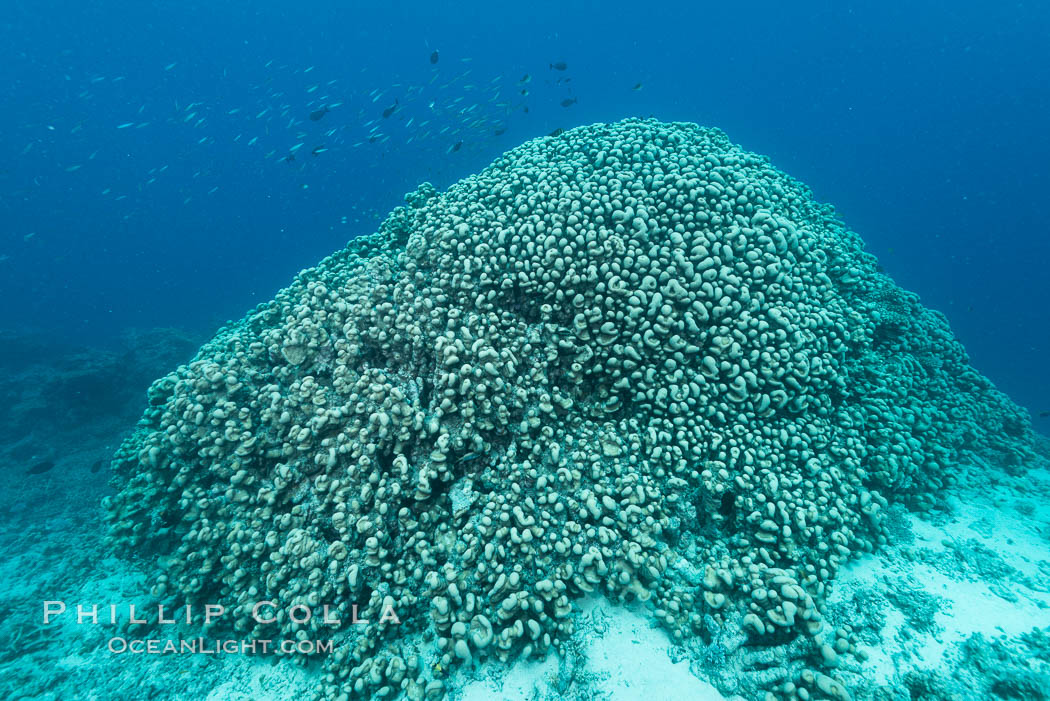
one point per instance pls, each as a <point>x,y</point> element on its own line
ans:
<point>612,352</point>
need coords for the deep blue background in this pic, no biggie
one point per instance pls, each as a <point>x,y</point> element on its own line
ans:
<point>925,124</point>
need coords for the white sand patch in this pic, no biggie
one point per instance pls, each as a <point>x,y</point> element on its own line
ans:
<point>998,519</point>
<point>628,660</point>
<point>264,681</point>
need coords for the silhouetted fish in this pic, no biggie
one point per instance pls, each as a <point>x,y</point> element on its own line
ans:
<point>525,78</point>
<point>559,66</point>
<point>557,132</point>
<point>434,57</point>
<point>569,102</point>
<point>390,110</point>
<point>318,114</point>
<point>41,467</point>
<point>1044,414</point>
<point>96,466</point>
<point>499,132</point>
<point>455,147</point>
<point>637,86</point>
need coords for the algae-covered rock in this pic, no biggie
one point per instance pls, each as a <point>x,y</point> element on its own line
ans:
<point>611,350</point>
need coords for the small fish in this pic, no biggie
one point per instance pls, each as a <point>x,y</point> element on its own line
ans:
<point>390,110</point>
<point>455,147</point>
<point>637,86</point>
<point>289,158</point>
<point>1044,414</point>
<point>557,132</point>
<point>524,92</point>
<point>525,78</point>
<point>500,132</point>
<point>125,125</point>
<point>434,58</point>
<point>170,66</point>
<point>559,66</point>
<point>41,467</point>
<point>469,457</point>
<point>569,102</point>
<point>319,150</point>
<point>317,115</point>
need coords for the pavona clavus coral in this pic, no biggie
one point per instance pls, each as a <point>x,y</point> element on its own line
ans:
<point>631,360</point>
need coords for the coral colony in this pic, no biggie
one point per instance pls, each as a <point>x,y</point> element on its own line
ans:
<point>630,360</point>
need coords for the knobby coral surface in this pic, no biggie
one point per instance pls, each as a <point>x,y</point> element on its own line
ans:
<point>631,359</point>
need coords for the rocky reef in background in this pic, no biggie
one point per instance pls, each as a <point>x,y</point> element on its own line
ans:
<point>631,359</point>
<point>65,405</point>
<point>52,389</point>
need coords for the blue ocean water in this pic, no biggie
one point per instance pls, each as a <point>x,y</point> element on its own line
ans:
<point>145,177</point>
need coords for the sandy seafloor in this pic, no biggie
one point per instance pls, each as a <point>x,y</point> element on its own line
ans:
<point>957,606</point>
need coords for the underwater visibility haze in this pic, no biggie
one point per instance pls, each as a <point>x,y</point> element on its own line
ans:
<point>560,350</point>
